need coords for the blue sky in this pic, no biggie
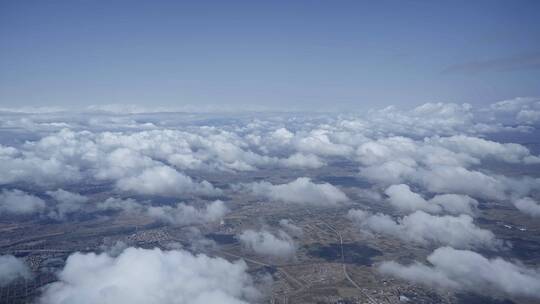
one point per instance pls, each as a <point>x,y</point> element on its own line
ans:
<point>324,55</point>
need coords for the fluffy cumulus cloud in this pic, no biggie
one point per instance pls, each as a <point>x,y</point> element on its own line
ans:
<point>11,269</point>
<point>441,164</point>
<point>183,214</point>
<point>30,167</point>
<point>59,204</point>
<point>467,270</point>
<point>528,206</point>
<point>303,161</point>
<point>524,110</point>
<point>423,228</point>
<point>266,243</point>
<point>300,191</point>
<point>480,148</point>
<point>67,156</point>
<point>447,179</point>
<point>163,180</point>
<point>150,276</point>
<point>66,203</point>
<point>402,198</point>
<point>442,118</point>
<point>179,214</point>
<point>19,202</point>
<point>319,142</point>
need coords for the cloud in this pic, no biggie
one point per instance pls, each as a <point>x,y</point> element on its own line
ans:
<point>441,164</point>
<point>528,206</point>
<point>528,116</point>
<point>183,214</point>
<point>127,205</point>
<point>291,228</point>
<point>66,203</point>
<point>150,276</point>
<point>66,157</point>
<point>179,214</point>
<point>163,180</point>
<point>530,61</point>
<point>62,204</point>
<point>524,110</point>
<point>266,243</point>
<point>424,120</point>
<point>115,249</point>
<point>456,203</point>
<point>318,142</point>
<point>12,269</point>
<point>30,168</point>
<point>19,202</point>
<point>441,179</point>
<point>447,179</point>
<point>422,228</point>
<point>303,161</point>
<point>485,149</point>
<point>468,270</point>
<point>402,198</point>
<point>300,191</point>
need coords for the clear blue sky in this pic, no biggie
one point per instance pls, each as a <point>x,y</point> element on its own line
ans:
<point>277,54</point>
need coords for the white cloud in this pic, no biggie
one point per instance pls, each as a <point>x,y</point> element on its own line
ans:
<point>66,157</point>
<point>300,191</point>
<point>528,116</point>
<point>441,164</point>
<point>183,214</point>
<point>163,180</point>
<point>524,110</point>
<point>66,203</point>
<point>424,120</point>
<point>456,203</point>
<point>30,168</point>
<point>291,228</point>
<point>128,205</point>
<point>150,276</point>
<point>446,179</point>
<point>422,228</point>
<point>482,148</point>
<point>12,269</point>
<point>467,270</point>
<point>301,161</point>
<point>179,214</point>
<point>318,142</point>
<point>528,206</point>
<point>390,172</point>
<point>266,243</point>
<point>19,202</point>
<point>401,197</point>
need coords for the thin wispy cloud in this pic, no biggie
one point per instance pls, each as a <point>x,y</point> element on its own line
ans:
<point>530,61</point>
